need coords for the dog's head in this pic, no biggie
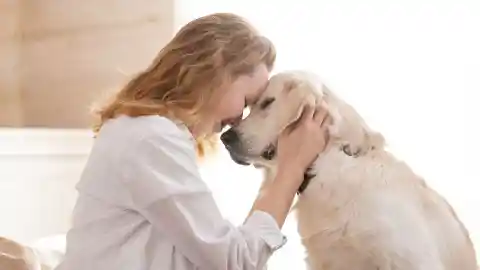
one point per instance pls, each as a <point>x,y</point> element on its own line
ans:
<point>254,139</point>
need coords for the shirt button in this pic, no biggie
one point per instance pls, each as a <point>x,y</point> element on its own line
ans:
<point>284,241</point>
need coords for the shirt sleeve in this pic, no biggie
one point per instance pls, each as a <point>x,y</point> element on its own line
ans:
<point>166,188</point>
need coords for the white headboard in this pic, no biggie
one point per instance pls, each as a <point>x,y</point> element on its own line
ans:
<point>38,172</point>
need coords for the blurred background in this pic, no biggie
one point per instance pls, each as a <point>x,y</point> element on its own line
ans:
<point>410,67</point>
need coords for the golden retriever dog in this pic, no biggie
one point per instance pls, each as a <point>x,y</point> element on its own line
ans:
<point>359,207</point>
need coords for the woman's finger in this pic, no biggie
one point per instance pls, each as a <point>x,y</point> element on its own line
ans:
<point>327,121</point>
<point>308,113</point>
<point>325,125</point>
<point>321,113</point>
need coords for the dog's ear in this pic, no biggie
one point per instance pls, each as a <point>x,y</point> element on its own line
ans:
<point>299,106</point>
<point>349,128</point>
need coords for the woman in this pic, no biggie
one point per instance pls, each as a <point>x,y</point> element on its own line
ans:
<point>142,203</point>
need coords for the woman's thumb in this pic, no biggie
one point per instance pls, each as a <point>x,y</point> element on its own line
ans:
<point>307,112</point>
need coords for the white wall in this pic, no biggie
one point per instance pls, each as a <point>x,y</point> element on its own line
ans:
<point>38,171</point>
<point>411,67</point>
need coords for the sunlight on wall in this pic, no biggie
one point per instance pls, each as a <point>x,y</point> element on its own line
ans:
<point>410,67</point>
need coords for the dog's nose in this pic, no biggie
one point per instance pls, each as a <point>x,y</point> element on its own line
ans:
<point>229,137</point>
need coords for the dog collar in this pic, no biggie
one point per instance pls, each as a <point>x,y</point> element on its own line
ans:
<point>307,176</point>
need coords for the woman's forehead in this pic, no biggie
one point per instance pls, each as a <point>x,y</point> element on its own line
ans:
<point>252,85</point>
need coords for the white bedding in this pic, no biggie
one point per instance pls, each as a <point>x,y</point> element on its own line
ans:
<point>49,250</point>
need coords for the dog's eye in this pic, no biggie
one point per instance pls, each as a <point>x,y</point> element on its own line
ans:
<point>267,102</point>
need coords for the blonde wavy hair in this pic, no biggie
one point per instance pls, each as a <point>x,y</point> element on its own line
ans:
<point>204,55</point>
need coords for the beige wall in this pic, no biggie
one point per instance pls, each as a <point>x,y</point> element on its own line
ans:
<point>68,53</point>
<point>10,110</point>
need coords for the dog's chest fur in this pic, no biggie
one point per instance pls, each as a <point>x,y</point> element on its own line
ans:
<point>374,212</point>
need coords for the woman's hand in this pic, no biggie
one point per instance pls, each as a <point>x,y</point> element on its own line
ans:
<point>302,142</point>
<point>297,148</point>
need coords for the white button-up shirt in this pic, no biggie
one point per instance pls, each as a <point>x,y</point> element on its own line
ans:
<point>142,205</point>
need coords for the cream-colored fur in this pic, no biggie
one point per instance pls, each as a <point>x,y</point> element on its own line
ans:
<point>364,209</point>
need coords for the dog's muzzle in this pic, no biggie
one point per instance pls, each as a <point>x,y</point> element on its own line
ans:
<point>231,141</point>
<point>239,160</point>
